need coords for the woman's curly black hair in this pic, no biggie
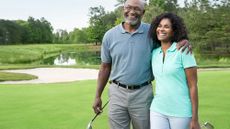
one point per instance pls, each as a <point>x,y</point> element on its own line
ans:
<point>178,27</point>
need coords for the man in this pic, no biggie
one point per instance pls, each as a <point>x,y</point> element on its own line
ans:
<point>126,60</point>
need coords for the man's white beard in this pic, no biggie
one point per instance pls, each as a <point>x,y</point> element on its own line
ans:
<point>132,22</point>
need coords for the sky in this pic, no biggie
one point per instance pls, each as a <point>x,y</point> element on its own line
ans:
<point>62,14</point>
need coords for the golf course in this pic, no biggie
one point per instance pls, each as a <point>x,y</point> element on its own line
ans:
<point>51,54</point>
<point>68,105</point>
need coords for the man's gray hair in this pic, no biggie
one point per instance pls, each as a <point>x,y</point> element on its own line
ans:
<point>142,3</point>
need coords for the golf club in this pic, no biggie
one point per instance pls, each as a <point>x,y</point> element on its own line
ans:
<point>207,125</point>
<point>90,123</point>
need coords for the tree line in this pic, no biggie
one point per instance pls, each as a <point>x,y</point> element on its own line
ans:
<point>25,32</point>
<point>207,22</point>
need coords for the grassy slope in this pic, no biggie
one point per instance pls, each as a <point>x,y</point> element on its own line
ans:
<point>6,76</point>
<point>16,54</point>
<point>68,105</point>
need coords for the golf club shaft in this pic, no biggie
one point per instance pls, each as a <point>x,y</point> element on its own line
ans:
<point>100,112</point>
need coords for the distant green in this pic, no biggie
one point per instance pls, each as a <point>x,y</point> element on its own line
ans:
<point>69,105</point>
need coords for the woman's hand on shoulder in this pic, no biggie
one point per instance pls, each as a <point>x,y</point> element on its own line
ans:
<point>183,45</point>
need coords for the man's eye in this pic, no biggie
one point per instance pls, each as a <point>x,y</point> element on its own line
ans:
<point>136,9</point>
<point>132,8</point>
<point>128,7</point>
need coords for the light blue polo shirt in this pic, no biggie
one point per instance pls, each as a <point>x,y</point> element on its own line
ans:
<point>129,54</point>
<point>172,93</point>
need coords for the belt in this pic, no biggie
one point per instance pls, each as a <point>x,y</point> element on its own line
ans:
<point>130,87</point>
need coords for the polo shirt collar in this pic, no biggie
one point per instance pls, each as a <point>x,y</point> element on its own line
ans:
<point>140,29</point>
<point>172,48</point>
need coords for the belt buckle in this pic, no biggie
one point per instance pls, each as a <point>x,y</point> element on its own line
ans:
<point>130,87</point>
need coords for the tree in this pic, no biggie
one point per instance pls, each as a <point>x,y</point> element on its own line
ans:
<point>61,36</point>
<point>151,12</point>
<point>30,31</point>
<point>47,31</point>
<point>97,27</point>
<point>120,3</point>
<point>78,36</point>
<point>10,32</point>
<point>208,24</point>
<point>165,5</point>
<point>24,33</point>
<point>39,31</point>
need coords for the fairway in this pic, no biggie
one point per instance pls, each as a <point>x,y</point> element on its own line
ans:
<point>214,89</point>
<point>68,105</point>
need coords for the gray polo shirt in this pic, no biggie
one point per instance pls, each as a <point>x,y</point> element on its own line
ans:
<point>129,54</point>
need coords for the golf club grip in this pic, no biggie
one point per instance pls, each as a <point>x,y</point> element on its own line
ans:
<point>100,112</point>
<point>105,104</point>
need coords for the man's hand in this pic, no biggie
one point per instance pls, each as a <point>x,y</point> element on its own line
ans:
<point>97,105</point>
<point>183,44</point>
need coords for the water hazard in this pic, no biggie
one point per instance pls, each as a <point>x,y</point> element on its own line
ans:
<point>74,58</point>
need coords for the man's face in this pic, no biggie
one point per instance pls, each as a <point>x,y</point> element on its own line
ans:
<point>133,12</point>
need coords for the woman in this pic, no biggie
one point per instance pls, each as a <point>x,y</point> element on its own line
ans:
<point>175,105</point>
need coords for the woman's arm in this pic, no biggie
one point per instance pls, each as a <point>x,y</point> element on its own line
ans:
<point>191,74</point>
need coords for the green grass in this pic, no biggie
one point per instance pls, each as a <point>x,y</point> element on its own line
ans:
<point>68,105</point>
<point>18,54</point>
<point>214,94</point>
<point>211,62</point>
<point>48,106</point>
<point>6,76</point>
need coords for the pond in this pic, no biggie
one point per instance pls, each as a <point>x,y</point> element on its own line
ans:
<point>74,58</point>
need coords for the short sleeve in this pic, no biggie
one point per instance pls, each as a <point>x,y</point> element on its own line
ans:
<point>105,53</point>
<point>188,60</point>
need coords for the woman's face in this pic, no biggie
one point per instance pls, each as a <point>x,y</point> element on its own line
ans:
<point>164,30</point>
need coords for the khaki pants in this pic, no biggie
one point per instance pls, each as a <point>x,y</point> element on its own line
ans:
<point>129,106</point>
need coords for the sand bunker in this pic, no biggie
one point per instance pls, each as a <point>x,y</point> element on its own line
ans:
<point>52,75</point>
